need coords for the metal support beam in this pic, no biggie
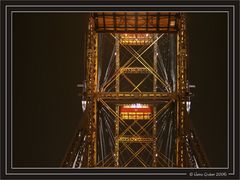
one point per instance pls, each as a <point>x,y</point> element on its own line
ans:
<point>92,80</point>
<point>182,120</point>
<point>155,46</point>
<point>117,88</point>
<point>136,95</point>
<point>134,70</point>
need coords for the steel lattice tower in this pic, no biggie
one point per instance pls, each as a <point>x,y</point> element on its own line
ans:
<point>137,109</point>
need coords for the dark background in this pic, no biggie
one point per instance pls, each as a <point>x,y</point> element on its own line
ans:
<point>48,53</point>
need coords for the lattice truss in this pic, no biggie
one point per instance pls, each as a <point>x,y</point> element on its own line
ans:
<point>136,103</point>
<point>138,76</point>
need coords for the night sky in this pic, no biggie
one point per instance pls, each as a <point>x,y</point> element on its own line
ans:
<point>48,53</point>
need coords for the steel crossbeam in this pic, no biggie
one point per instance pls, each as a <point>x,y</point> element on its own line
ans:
<point>134,70</point>
<point>135,139</point>
<point>135,95</point>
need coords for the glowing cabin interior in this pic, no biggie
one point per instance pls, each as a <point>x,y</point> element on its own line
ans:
<point>135,112</point>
